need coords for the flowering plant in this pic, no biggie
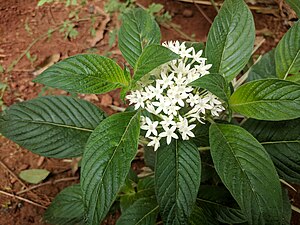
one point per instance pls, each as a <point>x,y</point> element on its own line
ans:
<point>217,147</point>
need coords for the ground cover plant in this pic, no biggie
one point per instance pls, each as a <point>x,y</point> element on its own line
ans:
<point>217,147</point>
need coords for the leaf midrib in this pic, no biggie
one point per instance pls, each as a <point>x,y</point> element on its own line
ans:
<point>291,65</point>
<point>55,125</point>
<point>146,215</point>
<point>267,101</point>
<point>232,151</point>
<point>112,157</point>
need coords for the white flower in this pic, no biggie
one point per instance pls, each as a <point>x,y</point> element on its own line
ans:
<point>166,80</point>
<point>216,110</point>
<point>202,105</point>
<point>193,99</point>
<point>150,108</point>
<point>155,142</point>
<point>162,105</point>
<point>185,129</point>
<point>164,92</point>
<point>169,134</point>
<point>203,69</point>
<point>173,109</point>
<point>155,91</point>
<point>167,121</point>
<point>197,56</point>
<point>213,100</point>
<point>150,127</point>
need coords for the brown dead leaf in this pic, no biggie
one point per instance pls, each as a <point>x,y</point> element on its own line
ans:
<point>49,61</point>
<point>91,97</point>
<point>265,32</point>
<point>106,100</point>
<point>100,29</point>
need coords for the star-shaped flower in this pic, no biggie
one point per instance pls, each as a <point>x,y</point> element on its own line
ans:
<point>169,133</point>
<point>150,127</point>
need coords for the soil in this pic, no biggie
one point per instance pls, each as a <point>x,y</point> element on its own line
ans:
<point>21,23</point>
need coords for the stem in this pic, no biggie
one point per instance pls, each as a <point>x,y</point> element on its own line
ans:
<point>207,148</point>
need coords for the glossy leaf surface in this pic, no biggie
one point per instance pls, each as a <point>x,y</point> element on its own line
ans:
<point>230,39</point>
<point>177,179</point>
<point>269,99</point>
<point>52,126</point>
<point>248,173</point>
<point>106,162</point>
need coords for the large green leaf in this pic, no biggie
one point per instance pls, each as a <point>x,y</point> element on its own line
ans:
<point>202,216</point>
<point>219,201</point>
<point>84,74</point>
<point>106,162</point>
<point>248,173</point>
<point>66,208</point>
<point>269,99</point>
<point>52,126</point>
<point>230,39</point>
<point>215,83</point>
<point>177,179</point>
<point>287,55</point>
<point>144,188</point>
<point>138,30</point>
<point>142,212</point>
<point>295,5</point>
<point>152,57</point>
<point>282,141</point>
<point>264,68</point>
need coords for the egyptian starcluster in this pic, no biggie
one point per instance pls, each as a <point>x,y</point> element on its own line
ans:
<point>174,106</point>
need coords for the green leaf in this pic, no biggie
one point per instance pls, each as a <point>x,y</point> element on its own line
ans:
<point>282,141</point>
<point>88,74</point>
<point>264,68</point>
<point>230,39</point>
<point>142,212</point>
<point>287,208</point>
<point>66,208</point>
<point>52,126</point>
<point>269,99</point>
<point>215,83</point>
<point>149,157</point>
<point>295,5</point>
<point>42,2</point>
<point>247,171</point>
<point>177,179</point>
<point>203,215</point>
<point>152,57</point>
<point>138,30</point>
<point>106,162</point>
<point>34,176</point>
<point>219,201</point>
<point>287,53</point>
<point>145,188</point>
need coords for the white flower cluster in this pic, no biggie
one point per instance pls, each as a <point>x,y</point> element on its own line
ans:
<point>176,106</point>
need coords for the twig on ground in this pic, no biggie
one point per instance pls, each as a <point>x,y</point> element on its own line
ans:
<point>202,12</point>
<point>22,199</point>
<point>266,10</point>
<point>12,173</point>
<point>47,183</point>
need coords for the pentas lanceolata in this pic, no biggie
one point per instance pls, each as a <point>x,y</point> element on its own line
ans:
<point>175,106</point>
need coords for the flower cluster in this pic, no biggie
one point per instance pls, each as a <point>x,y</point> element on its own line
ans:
<point>165,94</point>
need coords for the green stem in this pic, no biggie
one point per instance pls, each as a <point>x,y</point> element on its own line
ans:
<point>207,148</point>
